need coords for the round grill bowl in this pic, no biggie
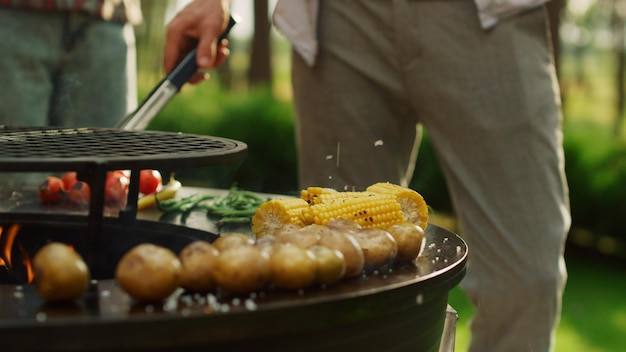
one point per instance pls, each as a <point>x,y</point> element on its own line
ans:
<point>397,310</point>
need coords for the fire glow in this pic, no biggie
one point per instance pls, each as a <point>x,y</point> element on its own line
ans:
<point>8,238</point>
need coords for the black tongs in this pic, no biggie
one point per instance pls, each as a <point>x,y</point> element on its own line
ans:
<point>165,90</point>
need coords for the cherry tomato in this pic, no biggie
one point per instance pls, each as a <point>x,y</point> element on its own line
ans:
<point>150,181</point>
<point>69,180</point>
<point>116,187</point>
<point>51,190</point>
<point>79,193</point>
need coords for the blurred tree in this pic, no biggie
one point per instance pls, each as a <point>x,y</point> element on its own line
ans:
<point>617,27</point>
<point>151,40</point>
<point>260,70</point>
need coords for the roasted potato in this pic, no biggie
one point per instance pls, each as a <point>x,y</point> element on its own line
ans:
<point>331,265</point>
<point>378,246</point>
<point>344,242</point>
<point>304,237</point>
<point>149,272</point>
<point>409,238</point>
<point>198,262</point>
<point>293,267</point>
<point>232,239</point>
<point>243,269</point>
<point>60,273</point>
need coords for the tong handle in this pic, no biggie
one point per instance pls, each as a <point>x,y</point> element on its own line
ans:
<point>188,65</point>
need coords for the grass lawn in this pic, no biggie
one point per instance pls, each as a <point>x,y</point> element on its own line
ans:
<point>594,310</point>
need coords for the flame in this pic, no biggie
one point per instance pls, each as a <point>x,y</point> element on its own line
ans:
<point>5,251</point>
<point>30,274</point>
<point>5,258</point>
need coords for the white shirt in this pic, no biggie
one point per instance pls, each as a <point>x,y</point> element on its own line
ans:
<point>297,20</point>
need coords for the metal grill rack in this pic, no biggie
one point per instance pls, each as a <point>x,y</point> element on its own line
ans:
<point>92,152</point>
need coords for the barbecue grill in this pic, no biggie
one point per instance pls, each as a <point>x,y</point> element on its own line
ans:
<point>400,308</point>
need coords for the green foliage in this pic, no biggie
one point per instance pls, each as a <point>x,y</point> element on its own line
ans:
<point>596,167</point>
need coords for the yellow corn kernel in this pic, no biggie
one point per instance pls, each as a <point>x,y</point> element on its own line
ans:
<point>276,213</point>
<point>413,205</point>
<point>367,210</point>
<point>311,194</point>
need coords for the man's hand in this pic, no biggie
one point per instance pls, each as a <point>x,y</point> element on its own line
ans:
<point>200,23</point>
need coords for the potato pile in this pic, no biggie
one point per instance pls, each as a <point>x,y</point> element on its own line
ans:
<point>293,258</point>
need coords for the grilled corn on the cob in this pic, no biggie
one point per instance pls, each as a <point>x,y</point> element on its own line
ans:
<point>276,213</point>
<point>412,203</point>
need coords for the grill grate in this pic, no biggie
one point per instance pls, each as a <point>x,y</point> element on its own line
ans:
<point>44,147</point>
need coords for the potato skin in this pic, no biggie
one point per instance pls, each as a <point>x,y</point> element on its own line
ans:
<point>198,262</point>
<point>149,272</point>
<point>304,237</point>
<point>232,239</point>
<point>331,265</point>
<point>293,267</point>
<point>409,238</point>
<point>344,241</point>
<point>379,247</point>
<point>60,273</point>
<point>243,269</point>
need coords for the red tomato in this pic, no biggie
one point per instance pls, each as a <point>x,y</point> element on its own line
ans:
<point>116,187</point>
<point>150,181</point>
<point>79,193</point>
<point>51,190</point>
<point>69,180</point>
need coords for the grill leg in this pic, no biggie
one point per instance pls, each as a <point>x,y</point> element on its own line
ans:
<point>449,330</point>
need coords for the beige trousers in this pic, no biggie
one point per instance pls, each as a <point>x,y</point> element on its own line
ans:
<point>490,103</point>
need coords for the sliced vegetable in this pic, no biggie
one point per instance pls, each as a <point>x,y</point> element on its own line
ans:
<point>167,192</point>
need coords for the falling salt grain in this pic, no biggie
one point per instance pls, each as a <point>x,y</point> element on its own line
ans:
<point>105,293</point>
<point>236,301</point>
<point>225,308</point>
<point>250,304</point>
<point>41,317</point>
<point>378,143</point>
<point>18,294</point>
<point>19,288</point>
<point>419,299</point>
<point>329,157</point>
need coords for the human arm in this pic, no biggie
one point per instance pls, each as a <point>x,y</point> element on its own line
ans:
<point>199,24</point>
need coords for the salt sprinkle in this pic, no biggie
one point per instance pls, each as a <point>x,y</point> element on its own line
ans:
<point>250,304</point>
<point>236,301</point>
<point>419,299</point>
<point>329,156</point>
<point>105,293</point>
<point>378,143</point>
<point>41,317</point>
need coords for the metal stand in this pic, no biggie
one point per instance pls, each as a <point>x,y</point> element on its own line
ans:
<point>449,330</point>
